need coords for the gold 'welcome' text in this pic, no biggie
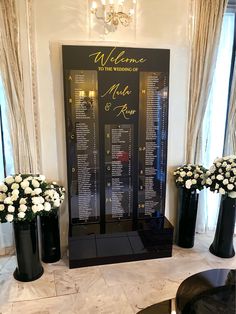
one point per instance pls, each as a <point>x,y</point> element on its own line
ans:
<point>114,58</point>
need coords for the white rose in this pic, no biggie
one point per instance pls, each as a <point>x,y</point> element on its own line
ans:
<point>194,181</point>
<point>21,215</point>
<point>217,186</point>
<point>231,180</point>
<point>2,197</point>
<point>42,177</point>
<point>38,191</point>
<point>47,206</point>
<point>15,192</point>
<point>24,184</point>
<point>14,197</point>
<point>3,187</point>
<point>230,187</point>
<point>35,200</point>
<point>227,174</point>
<point>35,208</point>
<point>232,194</point>
<point>51,193</point>
<point>208,173</point>
<point>222,191</point>
<point>8,200</point>
<point>9,180</point>
<point>220,170</point>
<point>234,171</point>
<point>208,181</point>
<point>2,207</point>
<point>220,177</point>
<point>15,186</point>
<point>23,201</point>
<point>9,217</point>
<point>179,180</point>
<point>35,183</point>
<point>212,169</point>
<point>188,184</point>
<point>224,164</point>
<point>225,181</point>
<point>28,190</point>
<point>218,164</point>
<point>182,174</point>
<point>196,176</point>
<point>18,178</point>
<point>189,173</point>
<point>40,207</point>
<point>22,208</point>
<point>41,199</point>
<point>228,167</point>
<point>11,209</point>
<point>57,201</point>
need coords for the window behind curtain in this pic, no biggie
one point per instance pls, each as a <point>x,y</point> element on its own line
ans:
<point>6,168</point>
<point>215,117</point>
<point>6,158</point>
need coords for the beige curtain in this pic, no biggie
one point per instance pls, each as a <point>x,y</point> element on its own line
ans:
<point>208,16</point>
<point>230,140</point>
<point>11,72</point>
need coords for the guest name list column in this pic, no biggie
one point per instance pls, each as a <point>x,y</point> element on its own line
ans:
<point>118,163</point>
<point>84,99</point>
<point>152,143</point>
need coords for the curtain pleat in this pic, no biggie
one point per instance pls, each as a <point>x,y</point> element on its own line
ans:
<point>11,72</point>
<point>208,20</point>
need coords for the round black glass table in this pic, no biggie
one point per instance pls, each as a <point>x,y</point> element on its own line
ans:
<point>208,292</point>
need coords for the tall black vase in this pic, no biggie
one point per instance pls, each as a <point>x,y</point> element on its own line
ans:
<point>222,245</point>
<point>187,214</point>
<point>29,267</point>
<point>50,238</point>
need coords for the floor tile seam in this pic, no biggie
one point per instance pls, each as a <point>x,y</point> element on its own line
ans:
<point>42,298</point>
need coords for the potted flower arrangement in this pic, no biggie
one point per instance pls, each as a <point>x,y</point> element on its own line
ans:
<point>221,178</point>
<point>189,179</point>
<point>22,198</point>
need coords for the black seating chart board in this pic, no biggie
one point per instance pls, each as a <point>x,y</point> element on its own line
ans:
<point>116,110</point>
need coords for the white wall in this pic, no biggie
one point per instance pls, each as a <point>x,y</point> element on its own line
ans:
<point>160,24</point>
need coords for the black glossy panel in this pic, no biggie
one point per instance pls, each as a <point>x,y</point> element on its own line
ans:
<point>113,246</point>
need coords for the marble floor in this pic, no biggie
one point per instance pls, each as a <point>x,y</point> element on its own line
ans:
<point>123,288</point>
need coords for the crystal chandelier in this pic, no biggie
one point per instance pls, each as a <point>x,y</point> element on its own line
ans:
<point>112,12</point>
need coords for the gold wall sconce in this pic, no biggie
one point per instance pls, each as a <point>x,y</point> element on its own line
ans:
<point>114,12</point>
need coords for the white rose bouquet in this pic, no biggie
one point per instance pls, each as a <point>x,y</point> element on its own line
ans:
<point>221,177</point>
<point>190,176</point>
<point>23,197</point>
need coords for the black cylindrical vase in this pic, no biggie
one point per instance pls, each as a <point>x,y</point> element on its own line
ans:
<point>29,267</point>
<point>50,238</point>
<point>187,214</point>
<point>222,245</point>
